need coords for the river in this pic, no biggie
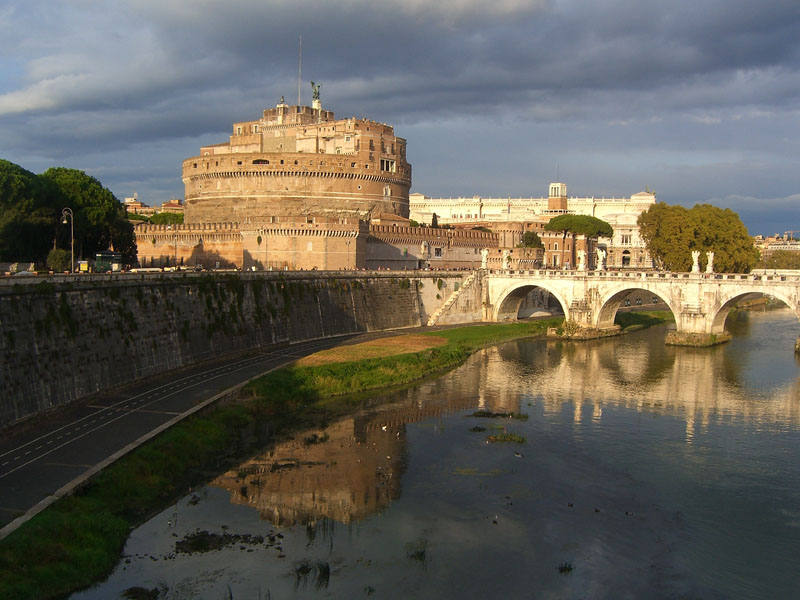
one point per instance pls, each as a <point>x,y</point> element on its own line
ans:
<point>646,471</point>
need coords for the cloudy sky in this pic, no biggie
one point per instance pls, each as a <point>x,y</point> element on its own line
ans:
<point>695,99</point>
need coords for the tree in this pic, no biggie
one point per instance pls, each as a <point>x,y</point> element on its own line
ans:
<point>165,218</point>
<point>530,240</point>
<point>668,233</point>
<point>671,233</point>
<point>589,227</point>
<point>29,214</point>
<point>100,220</point>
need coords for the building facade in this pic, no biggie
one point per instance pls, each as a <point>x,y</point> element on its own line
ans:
<point>625,249</point>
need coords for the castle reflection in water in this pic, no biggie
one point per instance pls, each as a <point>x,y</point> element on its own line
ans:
<point>353,468</point>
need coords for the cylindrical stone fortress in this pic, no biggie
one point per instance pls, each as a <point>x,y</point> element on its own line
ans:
<point>298,161</point>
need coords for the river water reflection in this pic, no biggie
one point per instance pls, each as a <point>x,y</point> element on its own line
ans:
<point>647,472</point>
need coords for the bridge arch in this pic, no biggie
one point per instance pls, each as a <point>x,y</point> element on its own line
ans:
<point>613,298</point>
<point>506,307</point>
<point>721,315</point>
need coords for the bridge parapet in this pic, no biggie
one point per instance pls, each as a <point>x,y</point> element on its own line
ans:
<point>658,275</point>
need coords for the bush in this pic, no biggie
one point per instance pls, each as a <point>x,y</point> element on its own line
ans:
<point>59,260</point>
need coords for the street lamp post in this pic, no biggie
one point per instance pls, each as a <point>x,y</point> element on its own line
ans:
<point>67,212</point>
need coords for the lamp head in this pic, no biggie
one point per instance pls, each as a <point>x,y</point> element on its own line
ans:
<point>64,220</point>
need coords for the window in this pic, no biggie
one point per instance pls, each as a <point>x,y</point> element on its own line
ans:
<point>255,128</point>
<point>238,131</point>
<point>626,240</point>
<point>388,165</point>
<point>437,252</point>
<point>371,145</point>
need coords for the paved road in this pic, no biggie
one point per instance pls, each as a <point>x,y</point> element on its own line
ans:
<point>41,457</point>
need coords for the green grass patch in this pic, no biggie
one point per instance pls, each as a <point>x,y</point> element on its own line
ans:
<point>639,319</point>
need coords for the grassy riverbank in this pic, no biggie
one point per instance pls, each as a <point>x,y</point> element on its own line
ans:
<point>79,539</point>
<point>635,320</point>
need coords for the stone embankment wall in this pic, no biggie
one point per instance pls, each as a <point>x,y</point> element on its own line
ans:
<point>66,338</point>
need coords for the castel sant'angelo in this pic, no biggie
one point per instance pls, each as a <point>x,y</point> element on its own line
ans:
<point>300,189</point>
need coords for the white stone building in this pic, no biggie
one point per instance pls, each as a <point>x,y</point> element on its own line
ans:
<point>625,249</point>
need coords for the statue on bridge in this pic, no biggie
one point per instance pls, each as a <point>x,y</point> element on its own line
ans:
<point>695,261</point>
<point>710,263</point>
<point>506,259</point>
<point>581,260</point>
<point>601,260</point>
<point>484,258</point>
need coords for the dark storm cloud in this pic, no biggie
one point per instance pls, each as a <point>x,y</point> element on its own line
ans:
<point>562,81</point>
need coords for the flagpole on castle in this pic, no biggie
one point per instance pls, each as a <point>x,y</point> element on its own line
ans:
<point>299,68</point>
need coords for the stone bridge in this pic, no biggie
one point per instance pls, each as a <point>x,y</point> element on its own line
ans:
<point>700,302</point>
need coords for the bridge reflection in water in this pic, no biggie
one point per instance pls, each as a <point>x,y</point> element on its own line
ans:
<point>353,468</point>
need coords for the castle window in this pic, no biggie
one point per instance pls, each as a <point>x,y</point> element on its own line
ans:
<point>371,145</point>
<point>437,252</point>
<point>352,164</point>
<point>388,165</point>
<point>195,165</point>
<point>260,161</point>
<point>255,128</point>
<point>295,162</point>
<point>238,162</point>
<point>238,131</point>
